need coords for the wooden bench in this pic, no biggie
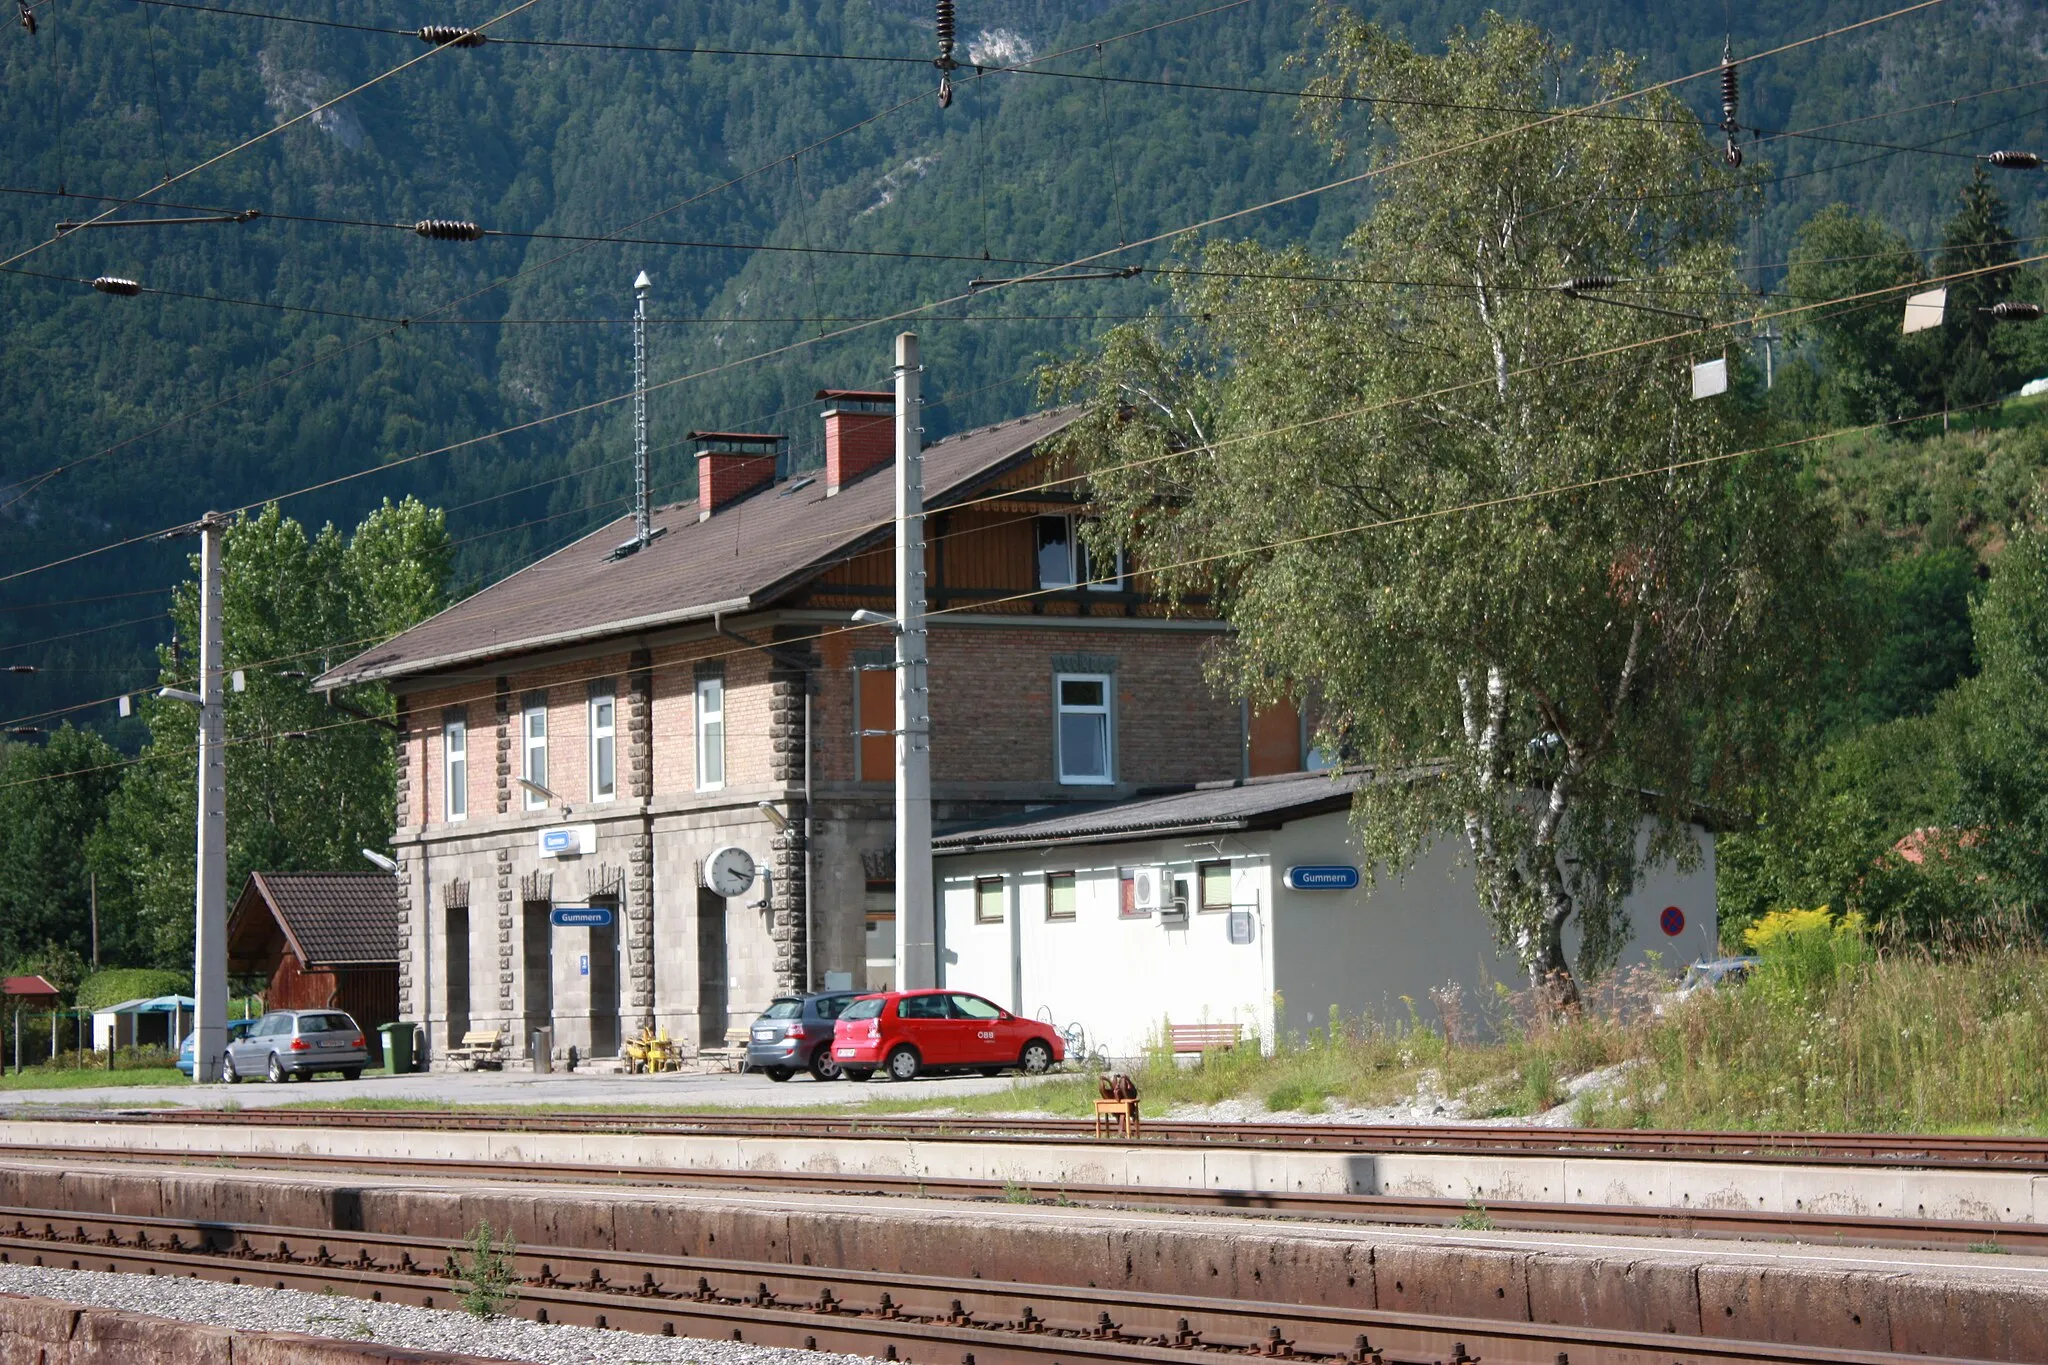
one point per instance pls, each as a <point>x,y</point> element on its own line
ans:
<point>1204,1037</point>
<point>480,1047</point>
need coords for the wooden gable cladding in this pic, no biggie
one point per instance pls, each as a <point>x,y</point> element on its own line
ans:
<point>983,557</point>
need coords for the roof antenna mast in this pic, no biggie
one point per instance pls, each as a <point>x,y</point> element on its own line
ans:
<point>643,530</point>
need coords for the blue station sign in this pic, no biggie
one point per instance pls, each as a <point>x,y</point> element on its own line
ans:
<point>1329,877</point>
<point>581,917</point>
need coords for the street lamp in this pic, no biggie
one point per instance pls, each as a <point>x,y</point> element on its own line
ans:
<point>864,617</point>
<point>381,861</point>
<point>772,815</point>
<point>545,793</point>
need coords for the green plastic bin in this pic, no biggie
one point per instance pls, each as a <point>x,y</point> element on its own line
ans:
<point>397,1046</point>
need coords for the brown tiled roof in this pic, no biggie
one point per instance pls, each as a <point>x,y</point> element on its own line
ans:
<point>331,918</point>
<point>742,559</point>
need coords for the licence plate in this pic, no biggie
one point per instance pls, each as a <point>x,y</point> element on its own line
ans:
<point>764,1035</point>
<point>843,1052</point>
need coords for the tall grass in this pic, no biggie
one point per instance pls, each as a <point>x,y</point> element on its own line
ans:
<point>1905,1040</point>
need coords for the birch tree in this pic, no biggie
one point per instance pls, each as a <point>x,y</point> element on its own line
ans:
<point>1462,512</point>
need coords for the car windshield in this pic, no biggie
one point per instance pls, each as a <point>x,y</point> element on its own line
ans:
<point>325,1023</point>
<point>974,1007</point>
<point>870,1008</point>
<point>784,1009</point>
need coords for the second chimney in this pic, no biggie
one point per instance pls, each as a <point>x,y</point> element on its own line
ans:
<point>732,465</point>
<point>860,434</point>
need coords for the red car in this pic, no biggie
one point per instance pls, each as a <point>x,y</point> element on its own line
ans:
<point>909,1032</point>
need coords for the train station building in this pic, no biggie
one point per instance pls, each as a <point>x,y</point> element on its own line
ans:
<point>582,735</point>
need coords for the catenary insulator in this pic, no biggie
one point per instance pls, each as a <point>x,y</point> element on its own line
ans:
<point>451,35</point>
<point>114,284</point>
<point>2016,161</point>
<point>447,230</point>
<point>1583,282</point>
<point>2012,311</point>
<point>28,17</point>
<point>943,22</point>
<point>1731,106</point>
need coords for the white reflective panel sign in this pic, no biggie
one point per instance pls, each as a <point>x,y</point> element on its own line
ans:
<point>1925,311</point>
<point>1709,377</point>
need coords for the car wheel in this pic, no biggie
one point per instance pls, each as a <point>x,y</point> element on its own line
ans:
<point>1037,1058</point>
<point>228,1074</point>
<point>275,1071</point>
<point>856,1073</point>
<point>351,1073</point>
<point>777,1073</point>
<point>823,1068</point>
<point>903,1064</point>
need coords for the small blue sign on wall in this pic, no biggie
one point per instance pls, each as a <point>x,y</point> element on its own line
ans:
<point>1333,877</point>
<point>583,965</point>
<point>581,917</point>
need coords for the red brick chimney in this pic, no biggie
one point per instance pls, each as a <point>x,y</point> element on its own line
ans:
<point>732,465</point>
<point>860,434</point>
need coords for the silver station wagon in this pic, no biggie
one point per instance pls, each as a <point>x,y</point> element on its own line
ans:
<point>288,1044</point>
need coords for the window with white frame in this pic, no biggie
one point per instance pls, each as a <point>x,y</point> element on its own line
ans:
<point>1064,562</point>
<point>710,733</point>
<point>1084,729</point>
<point>604,744</point>
<point>533,730</point>
<point>455,768</point>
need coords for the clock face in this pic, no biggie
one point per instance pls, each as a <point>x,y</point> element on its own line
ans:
<point>729,871</point>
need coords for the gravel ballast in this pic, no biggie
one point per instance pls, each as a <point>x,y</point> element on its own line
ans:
<point>248,1308</point>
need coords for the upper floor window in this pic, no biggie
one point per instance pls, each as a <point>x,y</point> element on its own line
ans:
<point>533,730</point>
<point>1084,729</point>
<point>1064,562</point>
<point>710,734</point>
<point>455,768</point>
<point>1214,886</point>
<point>604,747</point>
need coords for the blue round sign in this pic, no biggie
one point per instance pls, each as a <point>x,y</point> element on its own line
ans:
<point>1672,921</point>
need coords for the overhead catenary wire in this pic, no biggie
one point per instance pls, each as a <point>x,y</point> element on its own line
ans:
<point>27,486</point>
<point>1214,220</point>
<point>1386,523</point>
<point>274,130</point>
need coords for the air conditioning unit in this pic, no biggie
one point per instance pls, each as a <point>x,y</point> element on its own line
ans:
<point>1151,890</point>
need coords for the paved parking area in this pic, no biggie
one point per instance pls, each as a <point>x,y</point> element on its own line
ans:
<point>524,1087</point>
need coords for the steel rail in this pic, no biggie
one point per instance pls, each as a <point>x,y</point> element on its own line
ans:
<point>1915,1151</point>
<point>870,1313</point>
<point>1402,1210</point>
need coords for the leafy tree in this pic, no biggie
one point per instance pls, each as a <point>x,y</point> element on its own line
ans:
<point>1998,726</point>
<point>308,786</point>
<point>1362,474</point>
<point>52,795</point>
<point>1917,617</point>
<point>1870,372</point>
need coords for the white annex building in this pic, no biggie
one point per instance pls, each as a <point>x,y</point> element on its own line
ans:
<point>1226,903</point>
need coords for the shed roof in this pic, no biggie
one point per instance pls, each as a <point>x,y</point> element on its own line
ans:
<point>329,919</point>
<point>741,559</point>
<point>28,988</point>
<point>1255,803</point>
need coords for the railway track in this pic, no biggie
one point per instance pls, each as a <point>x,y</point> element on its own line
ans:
<point>1520,1216</point>
<point>1918,1151</point>
<point>927,1318</point>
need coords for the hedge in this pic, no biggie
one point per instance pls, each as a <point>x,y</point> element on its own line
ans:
<point>117,984</point>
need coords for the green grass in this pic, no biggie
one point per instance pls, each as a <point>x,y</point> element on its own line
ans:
<point>36,1078</point>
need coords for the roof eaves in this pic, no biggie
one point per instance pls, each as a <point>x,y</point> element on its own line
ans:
<point>1120,834</point>
<point>345,676</point>
<point>277,914</point>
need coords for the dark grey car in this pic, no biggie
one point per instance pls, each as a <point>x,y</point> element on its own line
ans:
<point>288,1044</point>
<point>795,1034</point>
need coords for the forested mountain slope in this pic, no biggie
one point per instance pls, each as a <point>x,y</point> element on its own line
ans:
<point>358,345</point>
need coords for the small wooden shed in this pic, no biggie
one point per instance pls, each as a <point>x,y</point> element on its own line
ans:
<point>325,940</point>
